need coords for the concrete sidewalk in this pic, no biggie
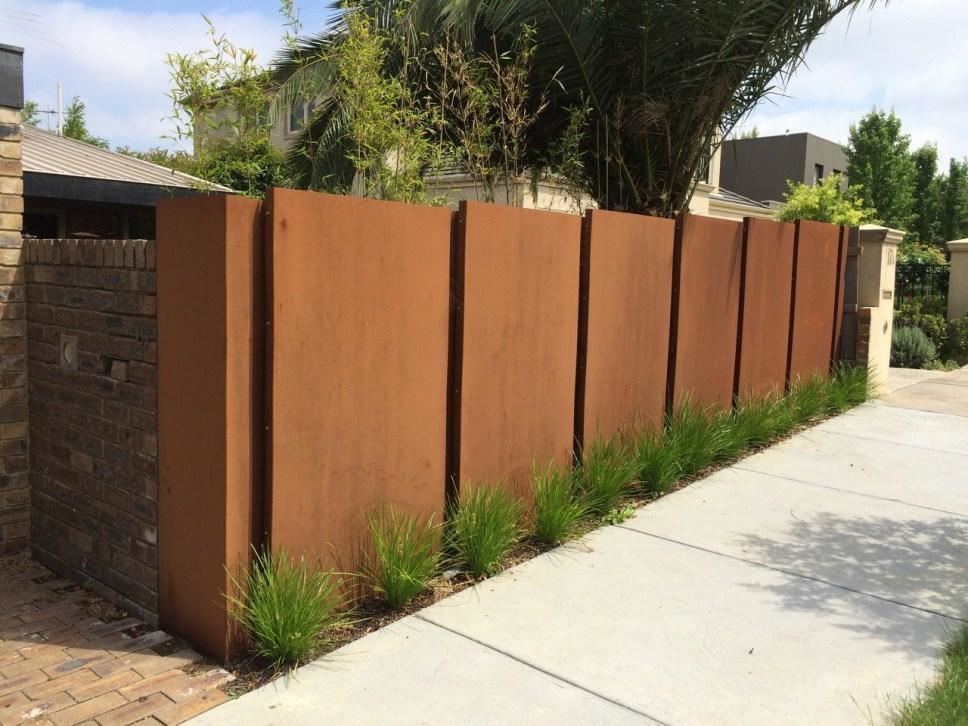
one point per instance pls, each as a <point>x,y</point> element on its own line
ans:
<point>808,584</point>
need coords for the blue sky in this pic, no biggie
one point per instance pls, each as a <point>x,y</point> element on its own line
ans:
<point>908,56</point>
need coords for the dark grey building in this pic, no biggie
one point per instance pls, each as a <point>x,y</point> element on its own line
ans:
<point>760,168</point>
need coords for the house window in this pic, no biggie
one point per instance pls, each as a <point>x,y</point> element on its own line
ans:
<point>817,173</point>
<point>300,115</point>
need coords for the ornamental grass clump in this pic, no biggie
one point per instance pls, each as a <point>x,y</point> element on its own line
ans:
<point>944,702</point>
<point>483,526</point>
<point>695,434</point>
<point>558,505</point>
<point>605,474</point>
<point>807,399</point>
<point>286,606</point>
<point>656,461</point>
<point>848,387</point>
<point>405,555</point>
<point>760,419</point>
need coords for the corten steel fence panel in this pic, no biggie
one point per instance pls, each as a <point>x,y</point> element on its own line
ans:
<point>629,301</point>
<point>765,312</point>
<point>210,409</point>
<point>706,313</point>
<point>520,331</point>
<point>818,292</point>
<point>359,301</point>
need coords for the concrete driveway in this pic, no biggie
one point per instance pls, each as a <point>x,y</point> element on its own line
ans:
<point>809,584</point>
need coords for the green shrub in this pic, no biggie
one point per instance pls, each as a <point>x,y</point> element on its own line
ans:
<point>655,461</point>
<point>605,474</point>
<point>910,348</point>
<point>404,558</point>
<point>558,505</point>
<point>956,341</point>
<point>929,314</point>
<point>483,527</point>
<point>286,606</point>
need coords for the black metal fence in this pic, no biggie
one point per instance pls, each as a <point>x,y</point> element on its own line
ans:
<point>921,280</point>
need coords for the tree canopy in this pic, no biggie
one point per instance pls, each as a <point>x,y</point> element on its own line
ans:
<point>879,161</point>
<point>654,84</point>
<point>75,124</point>
<point>824,202</point>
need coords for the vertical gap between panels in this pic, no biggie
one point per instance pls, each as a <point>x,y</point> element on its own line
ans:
<point>268,236</point>
<point>674,314</point>
<point>744,256</point>
<point>793,303</point>
<point>455,354</point>
<point>838,295</point>
<point>581,362</point>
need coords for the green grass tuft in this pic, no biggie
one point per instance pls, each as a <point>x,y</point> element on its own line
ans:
<point>605,474</point>
<point>286,606</point>
<point>558,505</point>
<point>405,555</point>
<point>483,527</point>
<point>944,703</point>
<point>760,419</point>
<point>656,462</point>
<point>695,435</point>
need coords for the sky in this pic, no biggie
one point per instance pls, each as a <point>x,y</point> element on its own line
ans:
<point>907,56</point>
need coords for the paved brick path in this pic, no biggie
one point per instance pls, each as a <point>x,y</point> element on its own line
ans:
<point>60,664</point>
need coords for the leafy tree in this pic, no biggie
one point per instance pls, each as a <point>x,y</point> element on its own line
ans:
<point>249,165</point>
<point>927,195</point>
<point>879,161</point>
<point>220,103</point>
<point>662,81</point>
<point>825,202</point>
<point>30,114</point>
<point>954,214</point>
<point>910,251</point>
<point>75,124</point>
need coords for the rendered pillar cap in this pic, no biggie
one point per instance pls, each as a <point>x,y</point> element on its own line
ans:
<point>958,245</point>
<point>877,233</point>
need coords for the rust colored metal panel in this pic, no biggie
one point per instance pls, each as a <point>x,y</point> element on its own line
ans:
<point>520,331</point>
<point>629,302</point>
<point>708,310</point>
<point>765,313</point>
<point>210,409</point>
<point>359,299</point>
<point>818,279</point>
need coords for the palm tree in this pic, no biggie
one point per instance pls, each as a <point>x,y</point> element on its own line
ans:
<point>662,79</point>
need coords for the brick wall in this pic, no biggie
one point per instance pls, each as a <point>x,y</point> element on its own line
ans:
<point>92,347</point>
<point>14,492</point>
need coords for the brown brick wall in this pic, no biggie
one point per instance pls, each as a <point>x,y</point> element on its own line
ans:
<point>14,491</point>
<point>93,426</point>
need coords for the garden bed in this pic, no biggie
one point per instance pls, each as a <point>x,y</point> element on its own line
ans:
<point>693,444</point>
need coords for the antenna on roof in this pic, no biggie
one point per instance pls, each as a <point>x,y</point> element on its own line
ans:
<point>60,109</point>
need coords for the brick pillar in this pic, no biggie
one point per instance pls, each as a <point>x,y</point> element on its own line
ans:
<point>14,492</point>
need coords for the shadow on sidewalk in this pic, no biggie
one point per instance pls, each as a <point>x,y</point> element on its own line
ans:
<point>919,563</point>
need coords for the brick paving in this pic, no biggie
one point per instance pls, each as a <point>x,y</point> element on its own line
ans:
<point>66,657</point>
